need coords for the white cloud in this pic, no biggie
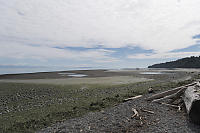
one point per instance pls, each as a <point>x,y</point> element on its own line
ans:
<point>166,55</point>
<point>161,25</point>
<point>21,51</point>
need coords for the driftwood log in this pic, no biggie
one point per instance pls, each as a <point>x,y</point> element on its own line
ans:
<point>173,97</point>
<point>190,94</point>
<point>192,103</point>
<point>132,98</point>
<point>169,92</point>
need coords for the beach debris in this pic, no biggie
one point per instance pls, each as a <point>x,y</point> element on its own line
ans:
<point>171,105</point>
<point>168,92</point>
<point>132,98</point>
<point>150,90</point>
<point>173,97</point>
<point>188,94</point>
<point>148,111</point>
<point>136,114</point>
<point>192,103</point>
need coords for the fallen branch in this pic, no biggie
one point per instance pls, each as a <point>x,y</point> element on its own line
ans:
<point>168,92</point>
<point>132,98</point>
<point>136,114</point>
<point>148,111</point>
<point>171,105</point>
<point>181,105</point>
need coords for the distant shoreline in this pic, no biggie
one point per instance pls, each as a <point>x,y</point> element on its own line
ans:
<point>10,71</point>
<point>90,69</point>
<point>29,71</point>
<point>19,73</point>
<point>57,75</point>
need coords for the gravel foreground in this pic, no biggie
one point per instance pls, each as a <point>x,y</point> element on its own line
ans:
<point>118,120</point>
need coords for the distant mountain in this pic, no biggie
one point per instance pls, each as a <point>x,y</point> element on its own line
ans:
<point>189,62</point>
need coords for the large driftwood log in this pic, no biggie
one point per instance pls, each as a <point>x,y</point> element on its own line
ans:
<point>169,92</point>
<point>173,97</point>
<point>192,103</point>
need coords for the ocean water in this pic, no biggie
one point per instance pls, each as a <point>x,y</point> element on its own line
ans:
<point>20,70</point>
<point>15,70</point>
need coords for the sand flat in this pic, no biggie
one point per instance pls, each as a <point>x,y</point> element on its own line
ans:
<point>98,80</point>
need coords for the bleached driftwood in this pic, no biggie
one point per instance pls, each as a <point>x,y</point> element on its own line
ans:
<point>191,97</point>
<point>173,97</point>
<point>132,98</point>
<point>169,92</point>
<point>148,111</point>
<point>136,114</point>
<point>178,95</point>
<point>192,103</point>
<point>171,105</point>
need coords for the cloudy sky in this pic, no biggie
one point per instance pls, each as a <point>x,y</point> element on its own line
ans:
<point>97,33</point>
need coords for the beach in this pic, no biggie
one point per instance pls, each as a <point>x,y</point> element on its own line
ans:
<point>55,97</point>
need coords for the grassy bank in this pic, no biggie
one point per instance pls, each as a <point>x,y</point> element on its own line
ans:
<point>29,107</point>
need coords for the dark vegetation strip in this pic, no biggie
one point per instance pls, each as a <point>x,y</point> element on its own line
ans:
<point>29,107</point>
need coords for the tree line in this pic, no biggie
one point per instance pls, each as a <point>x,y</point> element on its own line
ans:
<point>189,62</point>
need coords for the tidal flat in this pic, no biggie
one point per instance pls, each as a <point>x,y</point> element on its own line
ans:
<point>30,102</point>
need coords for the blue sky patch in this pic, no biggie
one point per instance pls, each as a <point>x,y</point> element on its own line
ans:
<point>117,52</point>
<point>193,48</point>
<point>196,36</point>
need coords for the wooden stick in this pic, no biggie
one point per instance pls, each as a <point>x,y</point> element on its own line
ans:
<point>148,111</point>
<point>171,105</point>
<point>135,113</point>
<point>168,92</point>
<point>132,98</point>
<point>181,105</point>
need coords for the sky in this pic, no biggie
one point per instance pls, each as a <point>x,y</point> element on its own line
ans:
<point>65,34</point>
